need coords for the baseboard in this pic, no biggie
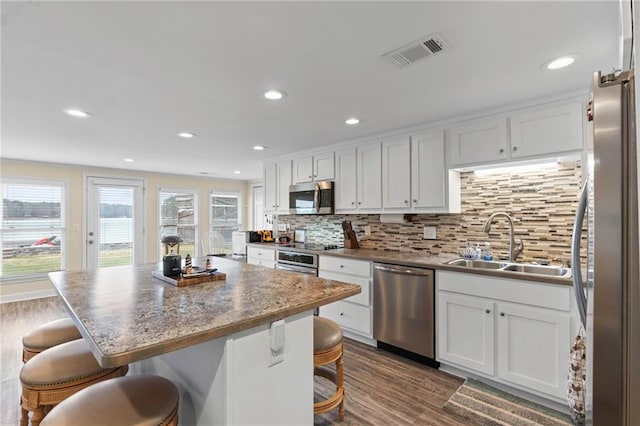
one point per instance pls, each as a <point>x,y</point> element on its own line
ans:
<point>27,295</point>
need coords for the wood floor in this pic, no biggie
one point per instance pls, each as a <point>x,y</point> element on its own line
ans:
<point>381,388</point>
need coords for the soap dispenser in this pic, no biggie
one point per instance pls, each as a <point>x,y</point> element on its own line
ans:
<point>478,252</point>
<point>487,255</point>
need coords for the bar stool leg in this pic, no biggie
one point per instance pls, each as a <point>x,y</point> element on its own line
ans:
<point>340,385</point>
<point>24,415</point>
<point>38,415</point>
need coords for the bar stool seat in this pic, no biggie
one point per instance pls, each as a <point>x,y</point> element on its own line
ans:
<point>123,401</point>
<point>48,335</point>
<point>327,348</point>
<point>57,373</point>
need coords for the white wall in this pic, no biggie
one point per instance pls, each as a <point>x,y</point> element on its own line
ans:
<point>74,176</point>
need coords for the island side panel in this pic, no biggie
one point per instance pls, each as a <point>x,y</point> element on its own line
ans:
<point>229,380</point>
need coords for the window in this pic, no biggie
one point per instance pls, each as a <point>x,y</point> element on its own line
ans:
<point>33,227</point>
<point>225,219</point>
<point>178,220</point>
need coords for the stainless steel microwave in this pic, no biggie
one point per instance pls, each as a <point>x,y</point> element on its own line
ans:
<point>311,198</point>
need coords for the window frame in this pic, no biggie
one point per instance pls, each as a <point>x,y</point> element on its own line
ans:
<point>196,216</point>
<point>228,194</point>
<point>64,228</point>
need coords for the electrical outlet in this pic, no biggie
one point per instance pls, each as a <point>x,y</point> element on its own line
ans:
<point>429,233</point>
<point>367,230</point>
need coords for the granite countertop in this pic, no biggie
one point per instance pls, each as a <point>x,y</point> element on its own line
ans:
<point>126,315</point>
<point>421,260</point>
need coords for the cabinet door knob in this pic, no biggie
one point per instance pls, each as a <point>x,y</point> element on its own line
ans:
<point>501,314</point>
<point>359,202</point>
<point>415,201</point>
<point>488,311</point>
<point>500,151</point>
<point>515,148</point>
<point>353,203</point>
<point>342,266</point>
<point>341,314</point>
<point>406,201</point>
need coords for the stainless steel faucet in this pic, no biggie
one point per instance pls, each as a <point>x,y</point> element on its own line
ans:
<point>514,252</point>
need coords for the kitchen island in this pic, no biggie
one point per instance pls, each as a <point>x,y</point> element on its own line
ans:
<point>213,339</point>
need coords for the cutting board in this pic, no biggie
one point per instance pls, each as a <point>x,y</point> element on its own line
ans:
<point>182,282</point>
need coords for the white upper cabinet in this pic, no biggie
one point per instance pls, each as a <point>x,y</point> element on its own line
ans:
<point>433,187</point>
<point>536,132</point>
<point>415,178</point>
<point>478,141</point>
<point>358,179</point>
<point>277,179</point>
<point>396,173</point>
<point>345,188</point>
<point>369,176</point>
<point>312,168</point>
<point>546,130</point>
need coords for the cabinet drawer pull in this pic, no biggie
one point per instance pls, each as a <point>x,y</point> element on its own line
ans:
<point>406,201</point>
<point>500,151</point>
<point>359,202</point>
<point>353,203</point>
<point>501,314</point>
<point>488,311</point>
<point>515,148</point>
<point>342,266</point>
<point>341,314</point>
<point>415,201</point>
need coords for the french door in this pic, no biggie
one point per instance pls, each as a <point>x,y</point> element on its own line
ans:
<point>114,222</point>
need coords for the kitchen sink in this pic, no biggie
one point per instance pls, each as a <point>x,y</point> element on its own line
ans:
<point>522,268</point>
<point>478,264</point>
<point>537,269</point>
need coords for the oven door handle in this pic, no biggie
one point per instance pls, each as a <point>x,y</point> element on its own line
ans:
<point>299,269</point>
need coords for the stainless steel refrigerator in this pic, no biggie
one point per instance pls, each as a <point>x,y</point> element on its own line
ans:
<point>608,298</point>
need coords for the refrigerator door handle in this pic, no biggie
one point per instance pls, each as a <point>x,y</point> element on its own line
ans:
<point>576,267</point>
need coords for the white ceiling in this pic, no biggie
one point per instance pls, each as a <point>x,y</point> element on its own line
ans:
<point>148,70</point>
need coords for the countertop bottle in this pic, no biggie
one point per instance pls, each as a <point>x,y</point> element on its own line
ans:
<point>486,254</point>
<point>478,251</point>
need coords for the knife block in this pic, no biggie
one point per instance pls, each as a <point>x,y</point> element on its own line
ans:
<point>352,241</point>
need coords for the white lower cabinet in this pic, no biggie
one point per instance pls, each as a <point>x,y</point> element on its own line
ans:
<point>353,313</point>
<point>466,331</point>
<point>511,331</point>
<point>261,257</point>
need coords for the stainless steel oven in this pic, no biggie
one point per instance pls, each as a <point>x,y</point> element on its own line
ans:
<point>296,261</point>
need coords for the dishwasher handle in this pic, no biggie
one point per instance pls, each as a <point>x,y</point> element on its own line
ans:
<point>405,271</point>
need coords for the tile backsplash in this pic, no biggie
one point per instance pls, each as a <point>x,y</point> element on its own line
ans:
<point>542,202</point>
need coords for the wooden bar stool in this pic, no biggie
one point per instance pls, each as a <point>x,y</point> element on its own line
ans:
<point>327,348</point>
<point>57,373</point>
<point>124,401</point>
<point>48,335</point>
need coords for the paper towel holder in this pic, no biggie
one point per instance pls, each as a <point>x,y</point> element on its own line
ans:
<point>396,218</point>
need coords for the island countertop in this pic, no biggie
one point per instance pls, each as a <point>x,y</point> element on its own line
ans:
<point>126,315</point>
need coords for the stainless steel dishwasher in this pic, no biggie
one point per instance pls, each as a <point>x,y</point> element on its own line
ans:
<point>404,308</point>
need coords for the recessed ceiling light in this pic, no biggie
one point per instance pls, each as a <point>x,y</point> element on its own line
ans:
<point>237,172</point>
<point>274,95</point>
<point>351,121</point>
<point>129,160</point>
<point>77,113</point>
<point>186,135</point>
<point>557,63</point>
<point>258,147</point>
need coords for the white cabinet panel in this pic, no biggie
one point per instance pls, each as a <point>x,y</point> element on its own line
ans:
<point>312,168</point>
<point>324,166</point>
<point>533,347</point>
<point>369,173</point>
<point>478,142</point>
<point>396,173</point>
<point>345,266</point>
<point>547,130</point>
<point>466,331</point>
<point>277,179</point>
<point>349,315</point>
<point>303,169</point>
<point>345,188</point>
<point>261,257</point>
<point>428,171</point>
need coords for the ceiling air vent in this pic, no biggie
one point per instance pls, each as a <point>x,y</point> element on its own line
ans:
<point>427,46</point>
